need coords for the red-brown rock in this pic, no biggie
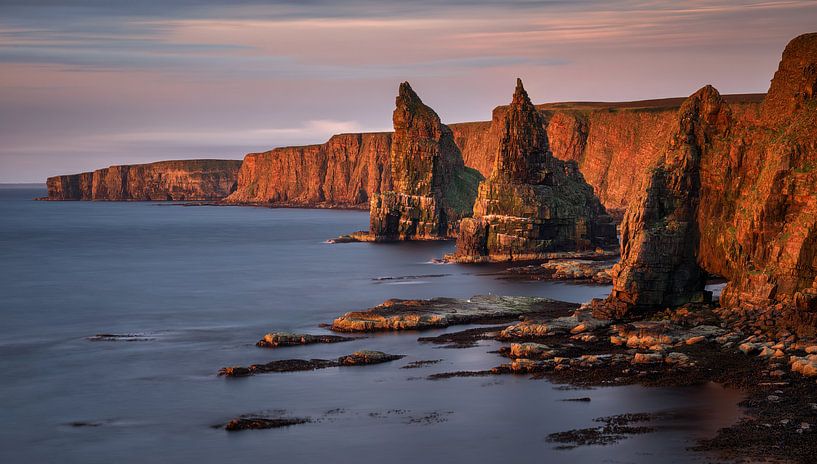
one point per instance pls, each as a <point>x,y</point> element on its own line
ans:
<point>164,180</point>
<point>532,203</point>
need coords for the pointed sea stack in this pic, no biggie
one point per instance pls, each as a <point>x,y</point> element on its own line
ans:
<point>659,234</point>
<point>532,203</point>
<point>432,189</point>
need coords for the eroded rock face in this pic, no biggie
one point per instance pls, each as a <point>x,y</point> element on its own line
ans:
<point>166,180</point>
<point>659,234</point>
<point>532,203</point>
<point>431,187</point>
<point>733,197</point>
<point>343,172</point>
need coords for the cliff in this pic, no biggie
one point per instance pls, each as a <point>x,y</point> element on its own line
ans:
<point>732,196</point>
<point>431,187</point>
<point>343,172</point>
<point>613,144</point>
<point>532,203</point>
<point>165,180</point>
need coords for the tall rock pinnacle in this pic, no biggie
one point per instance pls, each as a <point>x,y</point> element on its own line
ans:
<point>523,145</point>
<point>432,188</point>
<point>532,203</point>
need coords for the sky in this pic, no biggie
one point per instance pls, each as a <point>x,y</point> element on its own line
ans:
<point>89,83</point>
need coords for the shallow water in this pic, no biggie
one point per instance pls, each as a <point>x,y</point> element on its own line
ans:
<point>204,283</point>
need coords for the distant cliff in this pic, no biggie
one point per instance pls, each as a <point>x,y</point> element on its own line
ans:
<point>165,180</point>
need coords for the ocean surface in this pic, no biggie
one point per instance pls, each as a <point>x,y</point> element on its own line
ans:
<point>202,284</point>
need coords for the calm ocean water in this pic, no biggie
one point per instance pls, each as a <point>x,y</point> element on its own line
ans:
<point>204,283</point>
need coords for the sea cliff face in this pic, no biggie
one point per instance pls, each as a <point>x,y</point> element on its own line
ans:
<point>165,180</point>
<point>733,196</point>
<point>613,145</point>
<point>343,172</point>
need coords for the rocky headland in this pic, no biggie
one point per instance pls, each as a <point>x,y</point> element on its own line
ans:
<point>182,180</point>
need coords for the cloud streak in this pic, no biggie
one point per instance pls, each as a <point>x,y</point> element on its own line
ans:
<point>111,78</point>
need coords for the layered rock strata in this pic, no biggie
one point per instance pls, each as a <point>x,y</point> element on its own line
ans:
<point>612,143</point>
<point>164,180</point>
<point>732,197</point>
<point>343,172</point>
<point>532,203</point>
<point>431,187</point>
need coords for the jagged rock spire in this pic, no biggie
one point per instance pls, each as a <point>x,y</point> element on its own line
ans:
<point>431,188</point>
<point>412,117</point>
<point>795,82</point>
<point>523,146</point>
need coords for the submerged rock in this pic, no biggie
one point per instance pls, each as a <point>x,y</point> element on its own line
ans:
<point>261,422</point>
<point>277,339</point>
<point>358,358</point>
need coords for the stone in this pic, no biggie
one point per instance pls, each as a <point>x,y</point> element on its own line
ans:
<point>279,339</point>
<point>647,358</point>
<point>677,358</point>
<point>366,357</point>
<point>358,358</point>
<point>539,327</point>
<point>530,351</point>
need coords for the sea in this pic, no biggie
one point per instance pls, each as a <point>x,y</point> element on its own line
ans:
<point>197,286</point>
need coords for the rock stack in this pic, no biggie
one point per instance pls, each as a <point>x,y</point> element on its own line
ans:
<point>431,187</point>
<point>659,234</point>
<point>732,197</point>
<point>532,203</point>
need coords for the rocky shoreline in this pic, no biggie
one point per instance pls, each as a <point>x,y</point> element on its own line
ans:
<point>566,344</point>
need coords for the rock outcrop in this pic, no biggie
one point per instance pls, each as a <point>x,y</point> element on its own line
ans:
<point>733,197</point>
<point>532,203</point>
<point>431,187</point>
<point>443,312</point>
<point>166,180</point>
